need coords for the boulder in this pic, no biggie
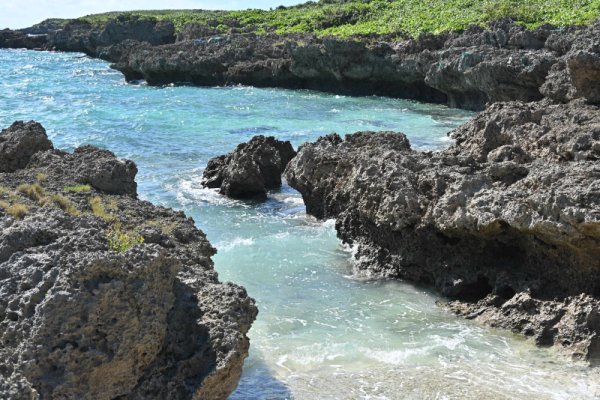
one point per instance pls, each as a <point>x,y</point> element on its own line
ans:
<point>251,169</point>
<point>90,165</point>
<point>106,296</point>
<point>19,143</point>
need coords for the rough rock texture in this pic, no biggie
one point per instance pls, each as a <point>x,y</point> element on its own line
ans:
<point>19,143</point>
<point>83,37</point>
<point>251,169</point>
<point>86,315</point>
<point>10,39</point>
<point>468,70</point>
<point>94,166</point>
<point>506,221</point>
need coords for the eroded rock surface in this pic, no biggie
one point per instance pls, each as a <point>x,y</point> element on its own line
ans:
<point>251,169</point>
<point>81,36</point>
<point>19,142</point>
<point>104,296</point>
<point>502,63</point>
<point>506,221</point>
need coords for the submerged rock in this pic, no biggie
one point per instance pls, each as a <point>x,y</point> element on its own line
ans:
<point>105,296</point>
<point>251,169</point>
<point>511,210</point>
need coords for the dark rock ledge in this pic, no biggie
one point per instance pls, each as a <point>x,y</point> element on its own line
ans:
<point>506,222</point>
<point>102,295</point>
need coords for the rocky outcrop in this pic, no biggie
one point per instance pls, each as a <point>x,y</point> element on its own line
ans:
<point>105,296</point>
<point>251,169</point>
<point>81,36</point>
<point>503,63</point>
<point>506,221</point>
<point>10,39</point>
<point>19,143</point>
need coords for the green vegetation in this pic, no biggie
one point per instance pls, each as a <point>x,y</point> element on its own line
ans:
<point>121,241</point>
<point>41,177</point>
<point>17,210</point>
<point>99,210</point>
<point>364,17</point>
<point>65,204</point>
<point>34,191</point>
<point>78,188</point>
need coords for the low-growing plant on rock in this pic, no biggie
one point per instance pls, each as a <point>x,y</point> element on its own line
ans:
<point>121,241</point>
<point>78,188</point>
<point>17,210</point>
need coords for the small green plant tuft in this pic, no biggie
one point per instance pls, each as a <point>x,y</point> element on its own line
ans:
<point>78,188</point>
<point>121,241</point>
<point>17,210</point>
<point>65,204</point>
<point>34,191</point>
<point>99,210</point>
<point>41,177</point>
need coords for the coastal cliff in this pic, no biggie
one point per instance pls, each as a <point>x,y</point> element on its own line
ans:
<point>103,295</point>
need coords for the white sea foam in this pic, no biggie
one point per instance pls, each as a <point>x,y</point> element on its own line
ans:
<point>236,242</point>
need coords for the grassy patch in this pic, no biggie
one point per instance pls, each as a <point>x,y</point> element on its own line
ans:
<point>41,177</point>
<point>65,204</point>
<point>99,210</point>
<point>34,191</point>
<point>363,17</point>
<point>78,188</point>
<point>16,210</point>
<point>121,241</point>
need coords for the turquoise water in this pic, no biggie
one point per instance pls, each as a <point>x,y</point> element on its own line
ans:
<point>322,333</point>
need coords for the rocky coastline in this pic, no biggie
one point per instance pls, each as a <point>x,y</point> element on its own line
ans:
<point>103,295</point>
<point>504,62</point>
<point>505,222</point>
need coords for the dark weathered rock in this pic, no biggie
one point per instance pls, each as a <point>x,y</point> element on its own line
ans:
<point>81,36</point>
<point>513,208</point>
<point>251,169</point>
<point>84,315</point>
<point>10,39</point>
<point>90,165</point>
<point>577,74</point>
<point>503,63</point>
<point>19,142</point>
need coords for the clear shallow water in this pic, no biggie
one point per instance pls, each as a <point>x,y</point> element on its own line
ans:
<point>320,334</point>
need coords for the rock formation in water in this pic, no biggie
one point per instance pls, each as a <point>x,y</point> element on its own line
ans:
<point>104,296</point>
<point>468,70</point>
<point>251,169</point>
<point>506,221</point>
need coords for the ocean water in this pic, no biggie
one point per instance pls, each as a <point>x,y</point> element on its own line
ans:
<point>322,333</point>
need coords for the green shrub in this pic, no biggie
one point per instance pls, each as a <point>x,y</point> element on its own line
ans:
<point>121,241</point>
